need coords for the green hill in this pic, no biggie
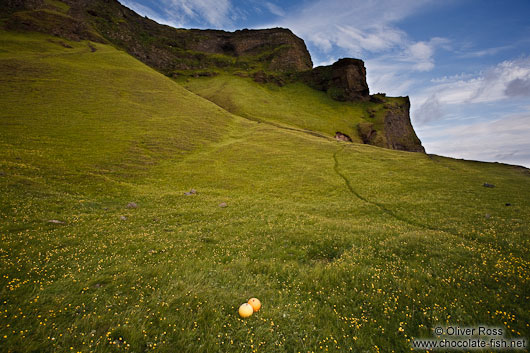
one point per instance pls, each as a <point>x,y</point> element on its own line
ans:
<point>275,56</point>
<point>294,105</point>
<point>349,247</point>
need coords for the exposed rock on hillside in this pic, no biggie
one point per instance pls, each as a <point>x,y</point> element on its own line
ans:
<point>167,49</point>
<point>345,80</point>
<point>43,20</point>
<point>9,6</point>
<point>274,56</point>
<point>339,136</point>
<point>171,50</point>
<point>399,133</point>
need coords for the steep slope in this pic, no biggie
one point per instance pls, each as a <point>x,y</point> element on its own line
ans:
<point>349,246</point>
<point>271,55</point>
<point>383,122</point>
<point>82,87</point>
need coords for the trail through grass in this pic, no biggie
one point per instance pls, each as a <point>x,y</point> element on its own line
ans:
<point>348,247</point>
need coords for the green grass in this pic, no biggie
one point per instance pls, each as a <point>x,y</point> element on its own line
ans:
<point>348,246</point>
<point>61,6</point>
<point>294,105</point>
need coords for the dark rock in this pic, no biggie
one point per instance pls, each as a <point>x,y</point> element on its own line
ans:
<point>508,204</point>
<point>368,134</point>
<point>132,205</point>
<point>223,205</point>
<point>2,173</point>
<point>399,133</point>
<point>262,77</point>
<point>9,6</point>
<point>191,192</point>
<point>339,136</point>
<point>486,185</point>
<point>61,43</point>
<point>378,98</point>
<point>55,221</point>
<point>53,23</point>
<point>345,80</point>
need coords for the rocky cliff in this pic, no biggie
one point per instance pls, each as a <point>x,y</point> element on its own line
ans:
<point>173,50</point>
<point>393,129</point>
<point>345,80</point>
<point>269,56</point>
<point>169,50</point>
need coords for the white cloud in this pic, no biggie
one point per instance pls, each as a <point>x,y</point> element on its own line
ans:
<point>486,52</point>
<point>374,39</point>
<point>368,30</point>
<point>150,13</point>
<point>430,110</point>
<point>359,28</point>
<point>421,54</point>
<point>216,13</point>
<point>274,9</point>
<point>508,79</point>
<point>504,139</point>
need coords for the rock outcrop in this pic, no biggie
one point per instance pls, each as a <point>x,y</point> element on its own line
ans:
<point>339,136</point>
<point>172,51</point>
<point>345,80</point>
<point>274,56</point>
<point>399,133</point>
<point>169,50</point>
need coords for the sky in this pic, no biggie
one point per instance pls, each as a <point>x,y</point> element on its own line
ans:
<point>464,63</point>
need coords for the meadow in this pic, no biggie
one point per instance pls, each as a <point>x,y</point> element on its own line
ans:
<point>349,247</point>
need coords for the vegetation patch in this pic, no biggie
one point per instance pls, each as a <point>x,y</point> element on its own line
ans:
<point>349,247</point>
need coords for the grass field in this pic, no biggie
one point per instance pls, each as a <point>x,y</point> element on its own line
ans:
<point>349,247</point>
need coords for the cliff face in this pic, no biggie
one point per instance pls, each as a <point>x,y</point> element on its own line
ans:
<point>171,50</point>
<point>345,80</point>
<point>167,49</point>
<point>399,133</point>
<point>269,55</point>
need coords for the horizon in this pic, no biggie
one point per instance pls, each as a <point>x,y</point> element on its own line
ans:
<point>468,84</point>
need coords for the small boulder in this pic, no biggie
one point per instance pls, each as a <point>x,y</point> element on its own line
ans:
<point>191,192</point>
<point>486,185</point>
<point>132,205</point>
<point>223,205</point>
<point>339,136</point>
<point>55,221</point>
<point>123,218</point>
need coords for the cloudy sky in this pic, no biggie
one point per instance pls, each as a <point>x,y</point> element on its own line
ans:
<point>464,63</point>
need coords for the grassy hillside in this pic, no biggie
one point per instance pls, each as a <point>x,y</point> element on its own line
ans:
<point>349,247</point>
<point>295,105</point>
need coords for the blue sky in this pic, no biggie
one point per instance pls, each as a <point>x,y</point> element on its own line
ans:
<point>464,63</point>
